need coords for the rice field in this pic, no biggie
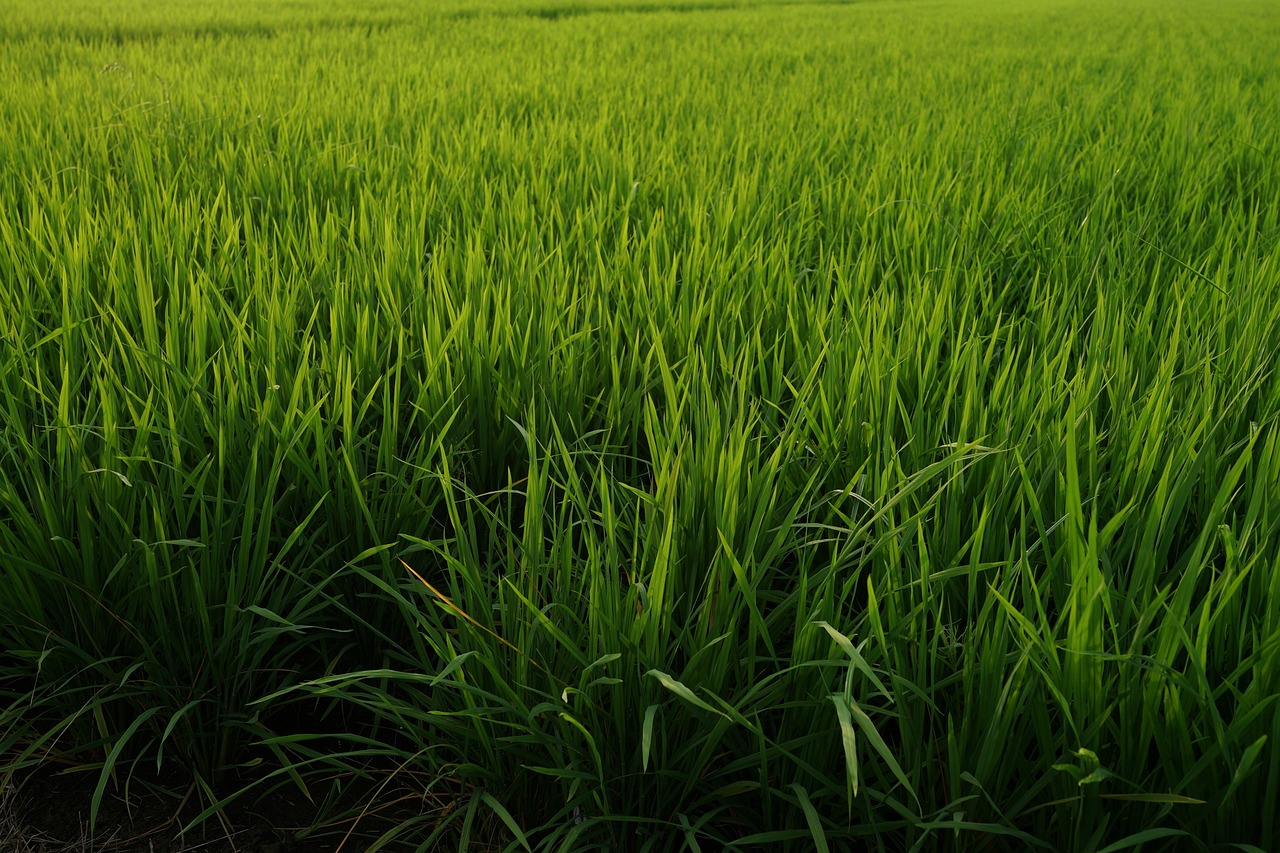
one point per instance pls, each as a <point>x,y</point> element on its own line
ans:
<point>647,425</point>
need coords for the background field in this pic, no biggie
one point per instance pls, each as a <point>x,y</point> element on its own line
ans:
<point>644,425</point>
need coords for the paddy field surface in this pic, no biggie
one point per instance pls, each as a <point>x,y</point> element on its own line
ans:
<point>590,425</point>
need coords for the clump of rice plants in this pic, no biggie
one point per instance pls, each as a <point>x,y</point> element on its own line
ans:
<point>643,425</point>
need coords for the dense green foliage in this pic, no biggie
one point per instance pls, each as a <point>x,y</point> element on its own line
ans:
<point>820,423</point>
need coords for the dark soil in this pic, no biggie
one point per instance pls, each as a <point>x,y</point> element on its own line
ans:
<point>53,811</point>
